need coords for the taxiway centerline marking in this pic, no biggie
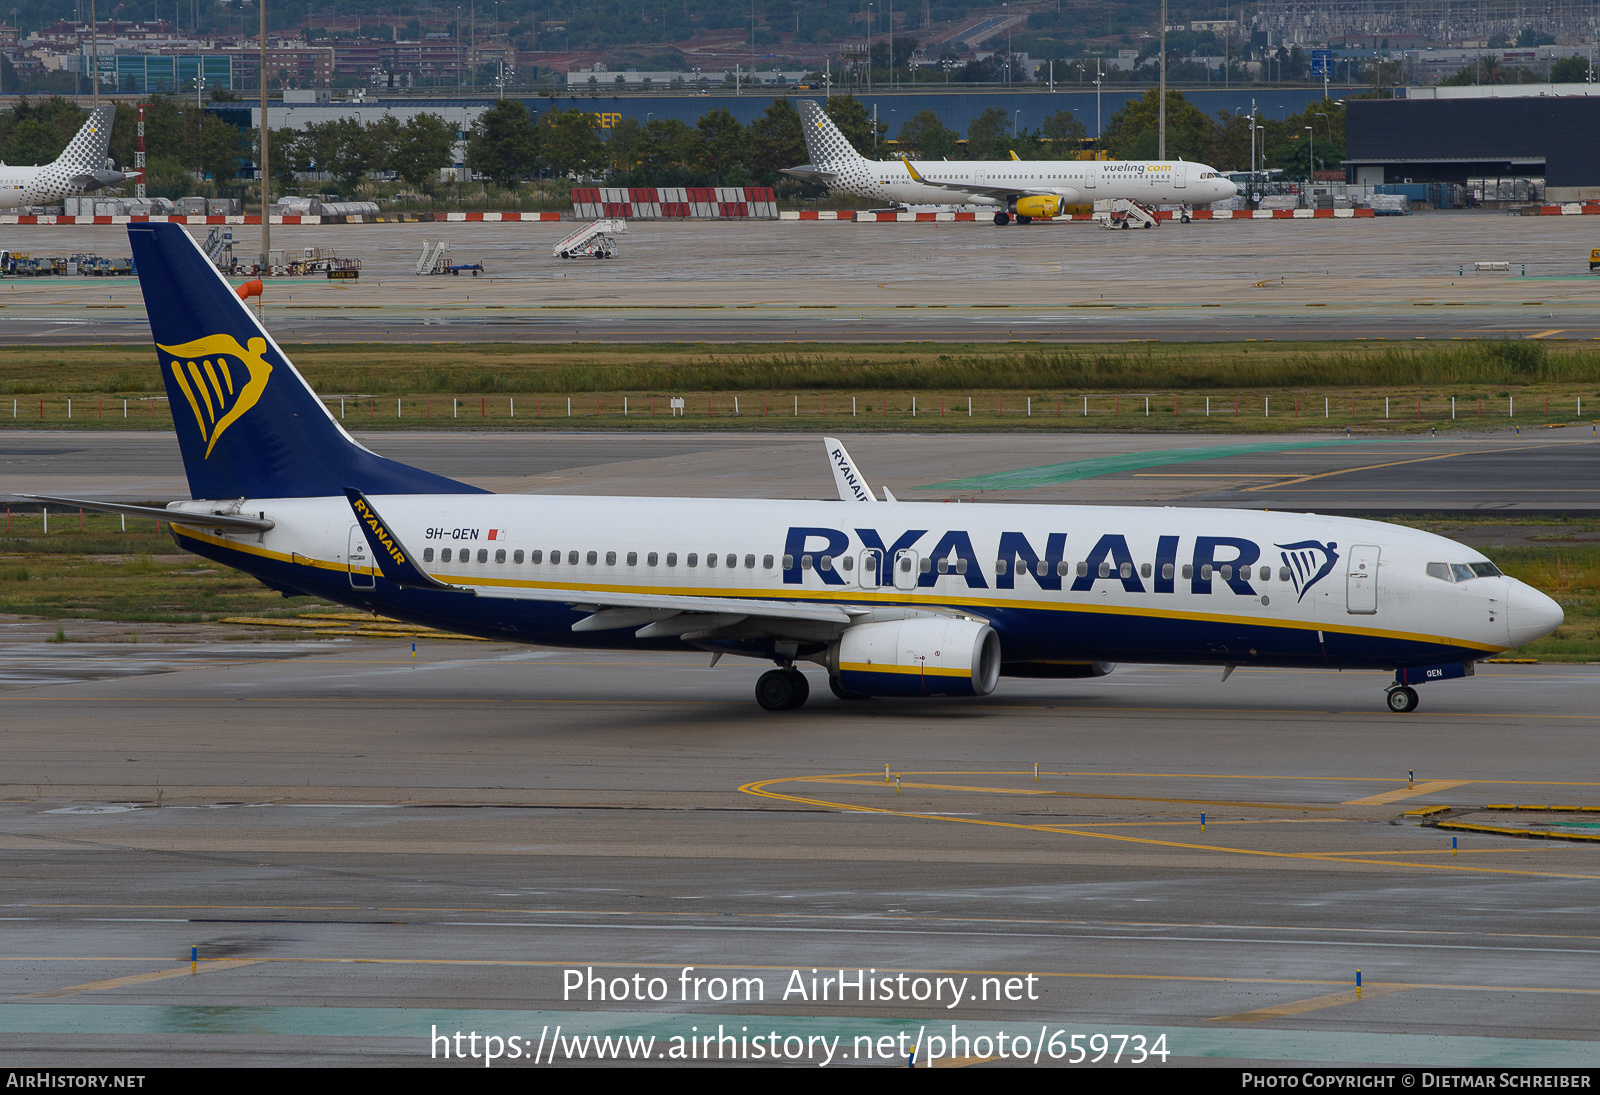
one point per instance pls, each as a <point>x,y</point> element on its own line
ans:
<point>1427,787</point>
<point>209,966</point>
<point>1316,1003</point>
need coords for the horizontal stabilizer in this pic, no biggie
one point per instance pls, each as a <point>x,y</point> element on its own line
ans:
<point>177,516</point>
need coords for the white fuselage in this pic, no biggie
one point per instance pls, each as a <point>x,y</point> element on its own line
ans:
<point>1078,182</point>
<point>22,186</point>
<point>1055,582</point>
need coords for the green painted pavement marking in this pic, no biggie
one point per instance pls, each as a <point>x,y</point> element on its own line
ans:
<point>418,1024</point>
<point>1046,474</point>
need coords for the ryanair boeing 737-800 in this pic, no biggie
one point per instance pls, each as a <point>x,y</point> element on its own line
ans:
<point>79,169</point>
<point>1014,188</point>
<point>891,598</point>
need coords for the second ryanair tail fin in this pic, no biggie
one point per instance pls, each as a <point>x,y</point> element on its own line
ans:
<point>248,424</point>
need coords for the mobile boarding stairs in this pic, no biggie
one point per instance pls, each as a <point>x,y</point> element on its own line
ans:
<point>594,238</point>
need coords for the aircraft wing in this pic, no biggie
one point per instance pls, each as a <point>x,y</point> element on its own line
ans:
<point>174,516</point>
<point>615,609</point>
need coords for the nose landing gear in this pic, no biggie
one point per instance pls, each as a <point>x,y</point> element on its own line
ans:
<point>1402,699</point>
<point>1002,219</point>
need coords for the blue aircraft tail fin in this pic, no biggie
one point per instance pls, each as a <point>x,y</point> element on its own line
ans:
<point>248,424</point>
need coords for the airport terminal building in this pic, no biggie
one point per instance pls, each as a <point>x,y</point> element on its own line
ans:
<point>1500,134</point>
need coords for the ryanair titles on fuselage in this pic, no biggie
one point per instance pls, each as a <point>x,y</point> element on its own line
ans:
<point>1211,558</point>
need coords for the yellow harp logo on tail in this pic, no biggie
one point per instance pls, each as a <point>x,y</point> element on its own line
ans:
<point>220,379</point>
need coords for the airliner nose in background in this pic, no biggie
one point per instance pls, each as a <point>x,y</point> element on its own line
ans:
<point>1021,188</point>
<point>890,598</point>
<point>80,168</point>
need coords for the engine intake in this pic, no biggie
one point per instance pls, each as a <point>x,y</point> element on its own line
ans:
<point>922,656</point>
<point>1039,205</point>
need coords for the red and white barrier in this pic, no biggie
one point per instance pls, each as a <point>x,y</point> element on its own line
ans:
<point>675,202</point>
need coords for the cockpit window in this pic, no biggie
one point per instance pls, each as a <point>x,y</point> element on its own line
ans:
<point>1462,572</point>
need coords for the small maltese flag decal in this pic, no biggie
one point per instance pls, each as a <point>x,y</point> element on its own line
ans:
<point>499,533</point>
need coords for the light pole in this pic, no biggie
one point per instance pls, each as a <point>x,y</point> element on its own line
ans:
<point>869,62</point>
<point>1311,165</point>
<point>266,173</point>
<point>1015,116</point>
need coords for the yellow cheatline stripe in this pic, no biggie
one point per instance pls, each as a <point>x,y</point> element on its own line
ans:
<point>759,788</point>
<point>1427,787</point>
<point>208,966</point>
<point>972,604</point>
<point>913,670</point>
<point>1316,1003</point>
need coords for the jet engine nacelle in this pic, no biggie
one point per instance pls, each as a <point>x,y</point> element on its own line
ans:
<point>921,656</point>
<point>1040,205</point>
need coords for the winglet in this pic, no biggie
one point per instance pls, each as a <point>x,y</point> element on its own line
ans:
<point>911,168</point>
<point>393,558</point>
<point>851,483</point>
<point>1016,157</point>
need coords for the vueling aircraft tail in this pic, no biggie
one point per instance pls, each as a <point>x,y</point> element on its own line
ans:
<point>825,145</point>
<point>248,424</point>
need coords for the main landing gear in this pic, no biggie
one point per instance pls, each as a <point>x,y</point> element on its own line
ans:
<point>782,689</point>
<point>1402,699</point>
<point>1002,219</point>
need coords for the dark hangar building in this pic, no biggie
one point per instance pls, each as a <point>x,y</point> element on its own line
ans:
<point>1473,134</point>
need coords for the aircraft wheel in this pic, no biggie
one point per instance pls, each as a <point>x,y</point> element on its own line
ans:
<point>844,693</point>
<point>1402,700</point>
<point>782,689</point>
<point>1024,220</point>
<point>1124,224</point>
<point>1002,219</point>
<point>1150,224</point>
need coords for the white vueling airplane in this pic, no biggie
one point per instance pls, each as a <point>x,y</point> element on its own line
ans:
<point>891,598</point>
<point>1021,188</point>
<point>80,168</point>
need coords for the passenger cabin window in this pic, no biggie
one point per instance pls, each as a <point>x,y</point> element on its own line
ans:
<point>1188,571</point>
<point>693,559</point>
<point>611,558</point>
<point>633,558</point>
<point>500,555</point>
<point>731,561</point>
<point>711,559</point>
<point>572,558</point>
<point>535,556</point>
<point>672,558</point>
<point>1144,571</point>
<point>766,562</point>
<point>427,555</point>
<point>483,555</point>
<point>825,563</point>
<point>1166,571</point>
<point>444,556</point>
<point>750,562</point>
<point>1283,574</point>
<point>517,556</point>
<point>788,562</point>
<point>652,559</point>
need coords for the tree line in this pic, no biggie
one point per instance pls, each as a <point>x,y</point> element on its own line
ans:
<point>509,145</point>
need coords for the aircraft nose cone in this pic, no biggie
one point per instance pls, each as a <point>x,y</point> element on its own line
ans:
<point>1229,188</point>
<point>1530,614</point>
